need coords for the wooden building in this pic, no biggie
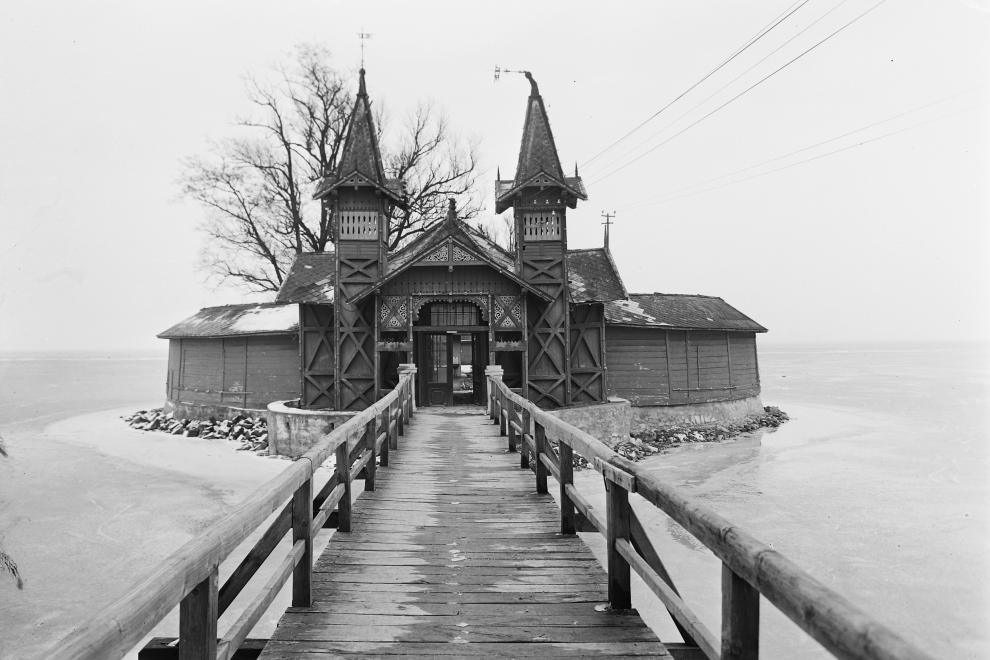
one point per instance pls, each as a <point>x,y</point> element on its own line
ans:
<point>559,321</point>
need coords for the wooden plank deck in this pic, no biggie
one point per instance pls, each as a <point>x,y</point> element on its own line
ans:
<point>455,554</point>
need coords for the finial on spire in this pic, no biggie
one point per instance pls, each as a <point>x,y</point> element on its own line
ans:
<point>533,89</point>
<point>498,173</point>
<point>362,35</point>
<point>575,169</point>
<point>451,210</point>
<point>362,90</point>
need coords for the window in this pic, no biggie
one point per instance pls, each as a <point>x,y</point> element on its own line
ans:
<point>358,225</point>
<point>454,314</point>
<point>541,226</point>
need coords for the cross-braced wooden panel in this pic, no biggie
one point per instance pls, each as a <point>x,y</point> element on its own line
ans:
<point>548,352</point>
<point>587,366</point>
<point>356,355</point>
<point>317,356</point>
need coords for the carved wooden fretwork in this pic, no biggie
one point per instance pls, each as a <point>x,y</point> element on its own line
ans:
<point>586,364</point>
<point>316,356</point>
<point>450,252</point>
<point>507,313</point>
<point>419,301</point>
<point>442,254</point>
<point>548,352</point>
<point>393,313</point>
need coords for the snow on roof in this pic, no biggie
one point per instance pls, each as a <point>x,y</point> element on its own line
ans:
<point>236,320</point>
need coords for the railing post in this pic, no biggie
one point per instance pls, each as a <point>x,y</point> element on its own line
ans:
<point>410,369</point>
<point>493,372</point>
<point>540,440</point>
<point>370,435</point>
<point>378,429</point>
<point>740,618</point>
<point>514,411</point>
<point>198,621</point>
<point>526,430</point>
<point>400,421</point>
<point>566,455</point>
<point>302,530</point>
<point>617,527</point>
<point>343,470</point>
<point>505,414</point>
<point>393,436</point>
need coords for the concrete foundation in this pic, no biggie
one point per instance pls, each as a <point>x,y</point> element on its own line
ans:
<point>292,431</point>
<point>204,411</point>
<point>695,413</point>
<point>604,421</point>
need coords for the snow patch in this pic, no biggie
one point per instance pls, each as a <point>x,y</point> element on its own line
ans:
<point>633,307</point>
<point>267,319</point>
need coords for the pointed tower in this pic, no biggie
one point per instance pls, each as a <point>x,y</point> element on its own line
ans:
<point>540,195</point>
<point>360,198</point>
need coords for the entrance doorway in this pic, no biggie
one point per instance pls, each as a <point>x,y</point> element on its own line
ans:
<point>452,366</point>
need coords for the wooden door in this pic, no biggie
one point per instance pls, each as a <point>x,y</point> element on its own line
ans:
<point>436,356</point>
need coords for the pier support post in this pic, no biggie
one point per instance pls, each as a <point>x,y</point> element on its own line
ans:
<point>302,530</point>
<point>740,618</point>
<point>540,440</point>
<point>198,621</point>
<point>617,527</point>
<point>492,372</point>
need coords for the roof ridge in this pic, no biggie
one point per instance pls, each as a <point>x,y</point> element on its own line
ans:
<point>683,295</point>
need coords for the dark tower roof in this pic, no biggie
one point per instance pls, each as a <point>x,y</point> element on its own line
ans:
<point>539,163</point>
<point>538,151</point>
<point>361,160</point>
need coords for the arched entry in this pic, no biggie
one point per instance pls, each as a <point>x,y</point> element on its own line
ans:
<point>451,345</point>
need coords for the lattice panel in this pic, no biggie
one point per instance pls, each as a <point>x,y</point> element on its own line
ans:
<point>548,353</point>
<point>507,312</point>
<point>393,313</point>
<point>458,253</point>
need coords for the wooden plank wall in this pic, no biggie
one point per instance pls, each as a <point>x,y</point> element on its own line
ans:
<point>430,280</point>
<point>652,367</point>
<point>236,371</point>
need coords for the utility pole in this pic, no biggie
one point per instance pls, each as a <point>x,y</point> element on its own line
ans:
<point>608,223</point>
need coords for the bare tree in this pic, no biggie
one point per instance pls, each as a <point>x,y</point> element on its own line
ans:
<point>257,187</point>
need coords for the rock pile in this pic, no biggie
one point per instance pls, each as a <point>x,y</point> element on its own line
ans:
<point>647,442</point>
<point>250,432</point>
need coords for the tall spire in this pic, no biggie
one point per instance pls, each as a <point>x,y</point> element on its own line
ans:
<point>538,152</point>
<point>361,153</point>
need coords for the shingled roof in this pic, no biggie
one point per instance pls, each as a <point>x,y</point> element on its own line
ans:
<point>539,162</point>
<point>592,276</point>
<point>679,312</point>
<point>237,321</point>
<point>311,279</point>
<point>361,160</point>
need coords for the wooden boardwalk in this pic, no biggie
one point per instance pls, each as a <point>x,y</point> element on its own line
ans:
<point>455,554</point>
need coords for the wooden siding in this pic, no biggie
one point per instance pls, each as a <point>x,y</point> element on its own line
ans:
<point>243,372</point>
<point>652,367</point>
<point>428,280</point>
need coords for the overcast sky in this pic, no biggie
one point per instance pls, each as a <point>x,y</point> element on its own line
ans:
<point>887,240</point>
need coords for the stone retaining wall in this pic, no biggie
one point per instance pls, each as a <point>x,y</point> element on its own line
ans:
<point>605,421</point>
<point>694,414</point>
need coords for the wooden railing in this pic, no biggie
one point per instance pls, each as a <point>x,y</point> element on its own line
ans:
<point>188,577</point>
<point>750,568</point>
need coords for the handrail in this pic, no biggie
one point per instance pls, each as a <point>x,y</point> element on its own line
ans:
<point>188,577</point>
<point>750,567</point>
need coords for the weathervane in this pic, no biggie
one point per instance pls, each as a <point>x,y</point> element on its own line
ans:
<point>362,35</point>
<point>499,71</point>
<point>608,223</point>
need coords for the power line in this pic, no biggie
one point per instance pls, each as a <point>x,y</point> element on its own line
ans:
<point>754,85</point>
<point>734,79</point>
<point>880,122</point>
<point>774,23</point>
<point>806,160</point>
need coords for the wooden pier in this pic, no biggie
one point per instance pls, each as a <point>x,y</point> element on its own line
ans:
<point>457,549</point>
<point>455,553</point>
